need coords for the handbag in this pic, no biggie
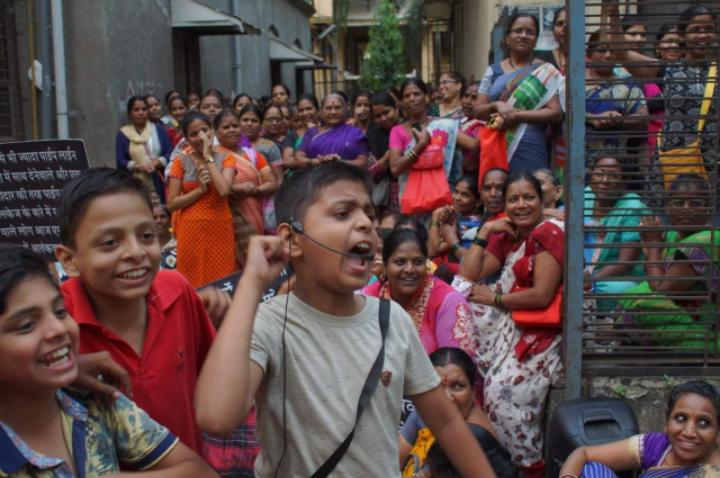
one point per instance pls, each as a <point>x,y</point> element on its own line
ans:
<point>688,159</point>
<point>427,187</point>
<point>549,317</point>
<point>367,392</point>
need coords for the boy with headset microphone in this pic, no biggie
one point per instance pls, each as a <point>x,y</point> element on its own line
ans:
<point>302,358</point>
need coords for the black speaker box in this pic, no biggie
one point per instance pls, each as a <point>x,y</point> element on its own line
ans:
<point>587,421</point>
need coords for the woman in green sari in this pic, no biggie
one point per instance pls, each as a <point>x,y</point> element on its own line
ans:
<point>617,214</point>
<point>691,251</point>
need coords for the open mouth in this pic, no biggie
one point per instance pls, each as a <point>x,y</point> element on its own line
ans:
<point>134,274</point>
<point>57,357</point>
<point>363,250</point>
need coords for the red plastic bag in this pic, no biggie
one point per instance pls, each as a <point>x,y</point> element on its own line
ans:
<point>427,187</point>
<point>493,151</point>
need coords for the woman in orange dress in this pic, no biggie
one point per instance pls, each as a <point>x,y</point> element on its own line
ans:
<point>197,196</point>
<point>251,180</point>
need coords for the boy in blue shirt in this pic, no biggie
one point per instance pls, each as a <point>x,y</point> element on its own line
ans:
<point>47,430</point>
<point>303,357</point>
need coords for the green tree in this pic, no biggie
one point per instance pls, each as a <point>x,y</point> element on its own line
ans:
<point>383,61</point>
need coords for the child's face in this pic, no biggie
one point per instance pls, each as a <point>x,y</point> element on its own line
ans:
<point>116,253</point>
<point>38,338</point>
<point>195,132</point>
<point>340,218</point>
<point>465,200</point>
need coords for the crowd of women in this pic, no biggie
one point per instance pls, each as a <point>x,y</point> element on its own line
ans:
<point>468,189</point>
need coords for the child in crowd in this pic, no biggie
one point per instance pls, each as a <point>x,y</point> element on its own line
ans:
<point>152,323</point>
<point>47,430</point>
<point>304,359</point>
<point>453,228</point>
<point>168,243</point>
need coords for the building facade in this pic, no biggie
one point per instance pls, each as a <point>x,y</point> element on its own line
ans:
<point>115,49</point>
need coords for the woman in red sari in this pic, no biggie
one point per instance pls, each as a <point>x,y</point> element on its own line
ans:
<point>251,180</point>
<point>518,363</point>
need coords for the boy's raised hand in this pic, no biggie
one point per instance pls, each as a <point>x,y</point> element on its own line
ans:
<point>266,258</point>
<point>98,372</point>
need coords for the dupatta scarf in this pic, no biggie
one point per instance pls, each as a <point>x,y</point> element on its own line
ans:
<point>140,149</point>
<point>531,89</point>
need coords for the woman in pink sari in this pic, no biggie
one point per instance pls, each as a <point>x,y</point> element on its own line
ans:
<point>251,180</point>
<point>441,315</point>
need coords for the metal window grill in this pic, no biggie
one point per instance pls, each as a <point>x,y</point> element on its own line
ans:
<point>643,249</point>
<point>10,111</point>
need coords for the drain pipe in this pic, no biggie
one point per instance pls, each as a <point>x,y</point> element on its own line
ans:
<point>237,52</point>
<point>46,130</point>
<point>58,32</point>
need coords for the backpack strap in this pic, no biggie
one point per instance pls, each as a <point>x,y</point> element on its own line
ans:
<point>367,391</point>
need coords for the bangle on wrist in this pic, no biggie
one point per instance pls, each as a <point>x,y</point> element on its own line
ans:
<point>434,223</point>
<point>478,241</point>
<point>455,247</point>
<point>498,300</point>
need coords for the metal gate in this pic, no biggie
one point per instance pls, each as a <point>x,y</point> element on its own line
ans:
<point>642,194</point>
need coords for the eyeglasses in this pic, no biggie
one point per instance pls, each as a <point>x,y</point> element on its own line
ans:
<point>527,31</point>
<point>448,82</point>
<point>709,28</point>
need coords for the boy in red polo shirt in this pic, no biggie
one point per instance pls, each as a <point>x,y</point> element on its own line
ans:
<point>152,322</point>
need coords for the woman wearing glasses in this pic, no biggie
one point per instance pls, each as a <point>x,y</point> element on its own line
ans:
<point>520,95</point>
<point>452,86</point>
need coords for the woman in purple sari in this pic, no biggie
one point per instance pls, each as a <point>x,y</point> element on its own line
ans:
<point>335,139</point>
<point>687,449</point>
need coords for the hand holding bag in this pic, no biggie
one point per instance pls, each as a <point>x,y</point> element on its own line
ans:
<point>549,317</point>
<point>427,187</point>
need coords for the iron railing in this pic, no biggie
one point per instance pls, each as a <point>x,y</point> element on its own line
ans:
<point>644,295</point>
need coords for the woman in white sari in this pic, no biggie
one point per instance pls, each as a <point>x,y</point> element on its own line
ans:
<point>517,362</point>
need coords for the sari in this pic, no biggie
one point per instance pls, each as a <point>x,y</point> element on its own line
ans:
<point>684,90</point>
<point>529,88</point>
<point>247,212</point>
<point>692,319</point>
<point>471,161</point>
<point>270,154</point>
<point>622,219</point>
<point>649,451</point>
<point>518,364</point>
<point>442,316</point>
<point>625,98</point>
<point>345,140</point>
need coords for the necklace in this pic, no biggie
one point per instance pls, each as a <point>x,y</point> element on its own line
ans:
<point>512,65</point>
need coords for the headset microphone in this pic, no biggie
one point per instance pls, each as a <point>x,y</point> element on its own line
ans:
<point>299,229</point>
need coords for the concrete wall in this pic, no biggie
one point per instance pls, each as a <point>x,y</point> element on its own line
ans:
<point>119,48</point>
<point>216,52</point>
<point>108,61</point>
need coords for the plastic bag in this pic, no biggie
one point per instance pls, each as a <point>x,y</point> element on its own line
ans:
<point>493,151</point>
<point>427,187</point>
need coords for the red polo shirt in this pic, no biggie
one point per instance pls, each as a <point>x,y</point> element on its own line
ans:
<point>177,339</point>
